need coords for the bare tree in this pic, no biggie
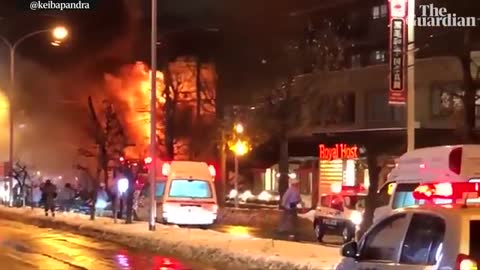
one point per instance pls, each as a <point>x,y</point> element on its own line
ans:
<point>321,49</point>
<point>20,173</point>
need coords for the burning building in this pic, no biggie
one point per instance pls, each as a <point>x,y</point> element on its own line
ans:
<point>189,85</point>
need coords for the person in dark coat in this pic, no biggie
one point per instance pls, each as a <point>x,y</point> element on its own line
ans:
<point>49,193</point>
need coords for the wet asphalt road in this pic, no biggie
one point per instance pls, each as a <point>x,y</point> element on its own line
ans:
<point>26,247</point>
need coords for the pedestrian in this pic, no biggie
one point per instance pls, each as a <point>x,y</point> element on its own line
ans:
<point>102,200</point>
<point>67,196</point>
<point>290,200</point>
<point>49,193</point>
<point>36,195</point>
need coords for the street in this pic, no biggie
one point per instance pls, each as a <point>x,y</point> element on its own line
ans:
<point>28,247</point>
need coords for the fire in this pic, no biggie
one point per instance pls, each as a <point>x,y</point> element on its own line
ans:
<point>130,93</point>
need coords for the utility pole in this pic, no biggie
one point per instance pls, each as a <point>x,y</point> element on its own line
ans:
<point>153,119</point>
<point>411,76</point>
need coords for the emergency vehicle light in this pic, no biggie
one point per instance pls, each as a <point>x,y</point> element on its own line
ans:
<point>212,170</point>
<point>148,160</point>
<point>166,169</point>
<point>444,190</point>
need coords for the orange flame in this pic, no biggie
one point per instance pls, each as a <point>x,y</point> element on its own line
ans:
<point>131,92</point>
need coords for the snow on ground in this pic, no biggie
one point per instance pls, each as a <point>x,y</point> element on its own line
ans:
<point>310,215</point>
<point>230,251</point>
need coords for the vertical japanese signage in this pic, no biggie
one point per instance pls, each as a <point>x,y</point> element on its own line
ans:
<point>397,89</point>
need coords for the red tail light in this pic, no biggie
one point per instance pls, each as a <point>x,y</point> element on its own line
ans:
<point>464,262</point>
<point>455,160</point>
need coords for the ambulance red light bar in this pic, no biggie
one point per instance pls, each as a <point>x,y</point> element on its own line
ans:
<point>446,190</point>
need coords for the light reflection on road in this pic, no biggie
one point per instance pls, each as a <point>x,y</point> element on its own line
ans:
<point>25,247</point>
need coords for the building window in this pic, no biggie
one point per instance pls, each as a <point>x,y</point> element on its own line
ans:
<point>379,111</point>
<point>379,12</point>
<point>383,11</point>
<point>356,60</point>
<point>335,110</point>
<point>447,99</point>
<point>376,12</point>
<point>378,57</point>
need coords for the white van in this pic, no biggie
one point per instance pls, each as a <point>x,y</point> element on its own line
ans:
<point>190,197</point>
<point>459,163</point>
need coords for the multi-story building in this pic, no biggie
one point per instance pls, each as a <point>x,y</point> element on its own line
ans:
<point>348,108</point>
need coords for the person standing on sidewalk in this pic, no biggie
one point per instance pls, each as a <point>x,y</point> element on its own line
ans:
<point>49,193</point>
<point>290,200</point>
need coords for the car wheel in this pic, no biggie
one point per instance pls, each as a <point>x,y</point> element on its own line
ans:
<point>347,235</point>
<point>318,231</point>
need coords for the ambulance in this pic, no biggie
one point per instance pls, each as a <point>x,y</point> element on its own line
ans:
<point>440,164</point>
<point>185,194</point>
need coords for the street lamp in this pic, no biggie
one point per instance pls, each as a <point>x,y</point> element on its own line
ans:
<point>239,128</point>
<point>58,33</point>
<point>240,148</point>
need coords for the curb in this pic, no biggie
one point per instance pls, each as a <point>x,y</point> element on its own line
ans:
<point>219,258</point>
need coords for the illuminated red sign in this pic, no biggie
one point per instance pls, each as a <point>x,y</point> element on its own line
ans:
<point>397,91</point>
<point>339,151</point>
<point>398,8</point>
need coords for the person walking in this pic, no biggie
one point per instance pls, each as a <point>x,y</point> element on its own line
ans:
<point>49,193</point>
<point>290,200</point>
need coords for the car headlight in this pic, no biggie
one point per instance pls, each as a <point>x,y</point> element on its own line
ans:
<point>246,195</point>
<point>264,196</point>
<point>233,193</point>
<point>356,217</point>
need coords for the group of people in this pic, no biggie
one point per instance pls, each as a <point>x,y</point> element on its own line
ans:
<point>47,194</point>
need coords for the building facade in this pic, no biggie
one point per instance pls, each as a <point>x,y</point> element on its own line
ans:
<point>348,108</point>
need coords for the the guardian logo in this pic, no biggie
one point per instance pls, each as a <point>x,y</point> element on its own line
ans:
<point>432,16</point>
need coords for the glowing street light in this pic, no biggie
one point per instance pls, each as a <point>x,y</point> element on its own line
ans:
<point>59,33</point>
<point>239,128</point>
<point>240,148</point>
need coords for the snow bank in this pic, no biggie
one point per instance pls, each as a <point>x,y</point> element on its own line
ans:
<point>261,218</point>
<point>205,246</point>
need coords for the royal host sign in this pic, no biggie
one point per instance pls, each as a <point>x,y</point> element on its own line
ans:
<point>398,40</point>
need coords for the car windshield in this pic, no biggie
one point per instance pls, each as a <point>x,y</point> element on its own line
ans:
<point>190,188</point>
<point>475,239</point>
<point>403,196</point>
<point>159,189</point>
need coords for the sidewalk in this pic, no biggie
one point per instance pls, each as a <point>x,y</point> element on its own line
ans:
<point>205,246</point>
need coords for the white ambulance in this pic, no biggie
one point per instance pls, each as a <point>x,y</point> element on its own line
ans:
<point>185,193</point>
<point>459,163</point>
